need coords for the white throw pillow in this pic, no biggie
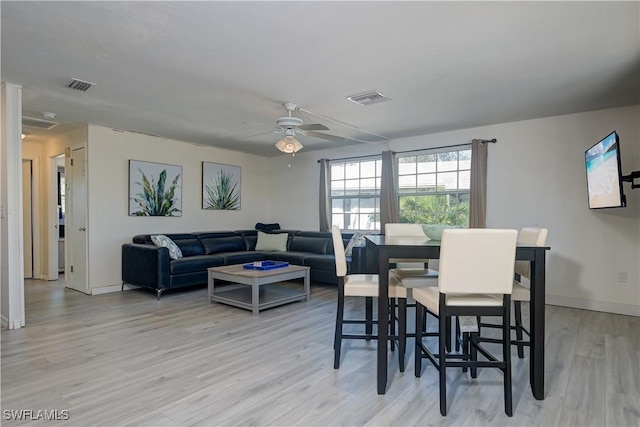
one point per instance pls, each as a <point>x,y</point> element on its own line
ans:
<point>162,240</point>
<point>271,242</point>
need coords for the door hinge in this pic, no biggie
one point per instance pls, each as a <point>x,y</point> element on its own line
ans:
<point>71,162</point>
<point>72,268</point>
<point>67,152</point>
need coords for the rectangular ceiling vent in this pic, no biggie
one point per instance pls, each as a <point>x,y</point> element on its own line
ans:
<point>38,123</point>
<point>80,85</point>
<point>368,98</point>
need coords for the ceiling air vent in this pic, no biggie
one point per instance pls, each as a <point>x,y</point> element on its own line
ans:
<point>38,123</point>
<point>80,85</point>
<point>368,98</point>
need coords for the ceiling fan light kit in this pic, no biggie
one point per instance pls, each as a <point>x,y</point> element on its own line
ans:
<point>289,144</point>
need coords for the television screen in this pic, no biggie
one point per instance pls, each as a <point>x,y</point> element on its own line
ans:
<point>604,174</point>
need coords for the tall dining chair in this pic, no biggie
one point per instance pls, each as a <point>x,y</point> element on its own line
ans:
<point>412,272</point>
<point>475,279</point>
<point>364,285</point>
<point>521,292</point>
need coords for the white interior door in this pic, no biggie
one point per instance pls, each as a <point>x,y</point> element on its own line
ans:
<point>27,219</point>
<point>76,230</point>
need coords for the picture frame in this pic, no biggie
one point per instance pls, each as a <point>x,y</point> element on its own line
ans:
<point>155,189</point>
<point>221,186</point>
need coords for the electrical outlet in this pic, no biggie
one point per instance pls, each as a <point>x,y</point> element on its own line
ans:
<point>622,277</point>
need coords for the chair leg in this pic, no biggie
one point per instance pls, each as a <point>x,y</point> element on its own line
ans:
<point>420,317</point>
<point>159,293</point>
<point>465,349</point>
<point>448,333</point>
<point>424,319</point>
<point>456,339</point>
<point>402,331</point>
<point>337,340</point>
<point>473,352</point>
<point>442,362</point>
<point>369,317</point>
<point>122,288</point>
<point>517,308</point>
<point>392,321</point>
<point>506,352</point>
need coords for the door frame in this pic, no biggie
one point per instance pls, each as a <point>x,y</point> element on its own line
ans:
<point>52,214</point>
<point>36,221</point>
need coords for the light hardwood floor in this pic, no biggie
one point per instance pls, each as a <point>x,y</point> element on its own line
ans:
<point>127,359</point>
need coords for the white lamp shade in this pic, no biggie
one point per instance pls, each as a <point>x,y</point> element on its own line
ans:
<point>289,145</point>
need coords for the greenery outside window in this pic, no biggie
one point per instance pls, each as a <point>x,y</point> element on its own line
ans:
<point>355,193</point>
<point>434,187</point>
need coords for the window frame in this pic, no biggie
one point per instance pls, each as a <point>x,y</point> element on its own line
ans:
<point>375,196</point>
<point>459,193</point>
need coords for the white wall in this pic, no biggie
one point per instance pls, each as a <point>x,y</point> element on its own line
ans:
<point>110,226</point>
<point>536,176</point>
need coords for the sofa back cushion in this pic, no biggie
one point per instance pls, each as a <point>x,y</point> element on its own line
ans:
<point>223,241</point>
<point>310,241</point>
<point>188,243</point>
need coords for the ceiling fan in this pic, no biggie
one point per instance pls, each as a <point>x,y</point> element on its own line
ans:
<point>290,124</point>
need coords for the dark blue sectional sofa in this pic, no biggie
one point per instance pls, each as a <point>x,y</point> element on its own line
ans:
<point>149,266</point>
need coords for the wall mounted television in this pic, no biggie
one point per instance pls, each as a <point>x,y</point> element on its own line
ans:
<point>604,174</point>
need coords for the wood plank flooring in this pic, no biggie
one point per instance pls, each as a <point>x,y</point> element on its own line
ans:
<point>126,359</point>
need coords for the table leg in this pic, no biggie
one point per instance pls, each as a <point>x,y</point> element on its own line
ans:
<point>536,366</point>
<point>307,285</point>
<point>211,286</point>
<point>383,318</point>
<point>255,298</point>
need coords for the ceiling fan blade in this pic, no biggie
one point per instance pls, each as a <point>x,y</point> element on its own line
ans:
<point>325,136</point>
<point>263,133</point>
<point>313,126</point>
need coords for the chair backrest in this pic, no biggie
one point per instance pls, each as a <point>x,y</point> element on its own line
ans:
<point>338,250</point>
<point>402,230</point>
<point>533,236</point>
<point>477,261</point>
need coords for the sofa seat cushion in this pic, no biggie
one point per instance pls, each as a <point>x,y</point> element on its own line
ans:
<point>296,258</point>
<point>194,264</point>
<point>241,257</point>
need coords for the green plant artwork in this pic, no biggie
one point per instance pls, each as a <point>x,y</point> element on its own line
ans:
<point>151,196</point>
<point>220,187</point>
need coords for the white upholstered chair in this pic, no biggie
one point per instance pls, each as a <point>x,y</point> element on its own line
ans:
<point>364,285</point>
<point>475,279</point>
<point>412,269</point>
<point>521,292</point>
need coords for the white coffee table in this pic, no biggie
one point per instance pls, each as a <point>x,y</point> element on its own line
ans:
<point>258,289</point>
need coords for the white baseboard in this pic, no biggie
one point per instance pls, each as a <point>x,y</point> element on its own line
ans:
<point>16,324</point>
<point>108,289</point>
<point>607,307</point>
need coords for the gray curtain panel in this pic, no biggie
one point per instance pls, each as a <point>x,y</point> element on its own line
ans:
<point>388,190</point>
<point>325,187</point>
<point>478,191</point>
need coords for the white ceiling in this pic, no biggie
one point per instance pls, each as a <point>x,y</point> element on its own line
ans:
<point>204,71</point>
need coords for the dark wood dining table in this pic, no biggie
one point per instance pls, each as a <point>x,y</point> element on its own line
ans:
<point>380,248</point>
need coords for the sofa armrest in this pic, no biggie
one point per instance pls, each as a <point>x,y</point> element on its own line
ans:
<point>358,260</point>
<point>145,265</point>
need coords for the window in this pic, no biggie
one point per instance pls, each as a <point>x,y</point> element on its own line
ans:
<point>355,194</point>
<point>433,187</point>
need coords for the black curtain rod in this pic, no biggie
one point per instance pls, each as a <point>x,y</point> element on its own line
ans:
<point>483,141</point>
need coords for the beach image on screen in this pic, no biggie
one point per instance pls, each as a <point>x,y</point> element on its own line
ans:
<point>602,174</point>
